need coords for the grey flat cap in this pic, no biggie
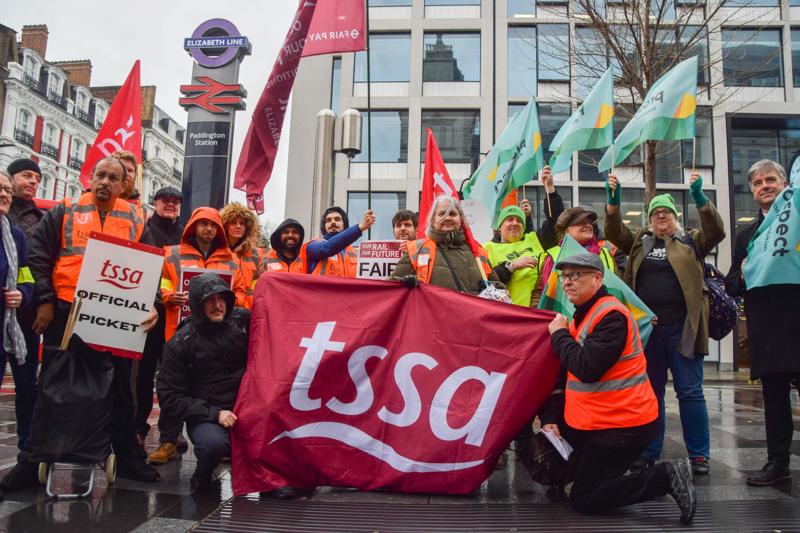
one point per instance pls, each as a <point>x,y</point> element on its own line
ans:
<point>168,191</point>
<point>582,260</point>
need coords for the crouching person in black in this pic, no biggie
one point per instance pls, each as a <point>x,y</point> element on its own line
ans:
<point>201,369</point>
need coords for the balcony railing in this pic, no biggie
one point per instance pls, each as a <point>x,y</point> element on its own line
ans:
<point>82,115</point>
<point>31,82</point>
<point>57,99</point>
<point>75,163</point>
<point>49,150</point>
<point>24,137</point>
<point>177,173</point>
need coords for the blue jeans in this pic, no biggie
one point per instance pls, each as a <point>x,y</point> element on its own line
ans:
<point>687,380</point>
<point>25,390</point>
<point>211,442</point>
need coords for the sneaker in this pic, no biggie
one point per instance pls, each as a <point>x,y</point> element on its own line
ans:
<point>24,474</point>
<point>134,468</point>
<point>181,444</point>
<point>162,455</point>
<point>641,464</point>
<point>771,473</point>
<point>700,466</point>
<point>681,488</point>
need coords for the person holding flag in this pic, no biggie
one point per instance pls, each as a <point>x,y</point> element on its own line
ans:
<point>665,269</point>
<point>766,271</point>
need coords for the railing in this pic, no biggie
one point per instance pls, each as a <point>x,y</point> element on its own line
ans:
<point>177,173</point>
<point>49,150</point>
<point>31,82</point>
<point>75,163</point>
<point>56,99</point>
<point>82,115</point>
<point>24,137</point>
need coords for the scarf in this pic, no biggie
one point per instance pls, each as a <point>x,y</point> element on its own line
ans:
<point>13,339</point>
<point>549,262</point>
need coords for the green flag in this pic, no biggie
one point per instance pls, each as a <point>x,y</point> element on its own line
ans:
<point>514,160</point>
<point>555,299</point>
<point>667,114</point>
<point>590,127</point>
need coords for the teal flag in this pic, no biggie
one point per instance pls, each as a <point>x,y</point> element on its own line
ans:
<point>667,114</point>
<point>773,254</point>
<point>514,160</point>
<point>555,299</point>
<point>590,127</point>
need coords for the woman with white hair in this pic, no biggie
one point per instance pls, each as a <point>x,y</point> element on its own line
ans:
<point>444,258</point>
<point>665,270</point>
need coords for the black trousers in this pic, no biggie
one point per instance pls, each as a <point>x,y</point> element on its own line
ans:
<point>600,480</point>
<point>777,390</point>
<point>146,372</point>
<point>123,434</point>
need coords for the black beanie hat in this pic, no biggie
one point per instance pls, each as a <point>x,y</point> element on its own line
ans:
<point>21,165</point>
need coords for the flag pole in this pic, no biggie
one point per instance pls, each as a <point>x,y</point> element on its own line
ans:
<point>369,123</point>
<point>694,151</point>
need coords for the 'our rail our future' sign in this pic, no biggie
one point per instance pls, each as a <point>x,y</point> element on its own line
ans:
<point>117,284</point>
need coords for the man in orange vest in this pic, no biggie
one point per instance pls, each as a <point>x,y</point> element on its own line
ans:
<point>287,253</point>
<point>56,256</point>
<point>203,245</point>
<point>332,255</point>
<point>603,403</point>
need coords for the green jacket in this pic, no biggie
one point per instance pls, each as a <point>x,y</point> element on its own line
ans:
<point>523,281</point>
<point>689,271</point>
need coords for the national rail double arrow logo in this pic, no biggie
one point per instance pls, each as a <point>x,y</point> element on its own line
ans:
<point>209,94</point>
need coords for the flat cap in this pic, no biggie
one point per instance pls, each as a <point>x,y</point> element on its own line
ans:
<point>575,215</point>
<point>168,191</point>
<point>582,260</point>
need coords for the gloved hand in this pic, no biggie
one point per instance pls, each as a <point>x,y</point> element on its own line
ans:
<point>613,192</point>
<point>696,191</point>
<point>410,281</point>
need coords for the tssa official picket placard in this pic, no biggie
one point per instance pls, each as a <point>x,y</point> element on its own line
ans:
<point>118,284</point>
<point>378,259</point>
<point>186,276</point>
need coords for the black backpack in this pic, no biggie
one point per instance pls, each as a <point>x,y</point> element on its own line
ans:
<point>723,311</point>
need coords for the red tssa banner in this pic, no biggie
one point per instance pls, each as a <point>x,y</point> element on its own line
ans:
<point>368,384</point>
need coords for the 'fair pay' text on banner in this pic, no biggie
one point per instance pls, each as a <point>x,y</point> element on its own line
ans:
<point>378,259</point>
<point>117,283</point>
<point>186,276</point>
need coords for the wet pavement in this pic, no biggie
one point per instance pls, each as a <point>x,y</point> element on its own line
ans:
<point>507,501</point>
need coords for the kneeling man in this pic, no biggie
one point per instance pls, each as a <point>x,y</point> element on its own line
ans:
<point>603,403</point>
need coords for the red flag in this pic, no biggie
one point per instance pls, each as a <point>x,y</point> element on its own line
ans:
<point>337,26</point>
<point>511,198</point>
<point>122,129</point>
<point>436,181</point>
<point>365,396</point>
<point>254,167</point>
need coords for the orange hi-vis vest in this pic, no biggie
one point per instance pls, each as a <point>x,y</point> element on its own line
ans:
<point>623,396</point>
<point>276,264</point>
<point>344,264</point>
<point>81,218</point>
<point>422,254</point>
<point>251,263</point>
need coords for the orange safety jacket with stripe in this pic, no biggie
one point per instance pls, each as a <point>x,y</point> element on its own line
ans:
<point>344,264</point>
<point>80,218</point>
<point>185,255</point>
<point>623,396</point>
<point>422,254</point>
<point>299,265</point>
<point>252,264</point>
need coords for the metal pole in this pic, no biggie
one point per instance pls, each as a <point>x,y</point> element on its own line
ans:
<point>369,125</point>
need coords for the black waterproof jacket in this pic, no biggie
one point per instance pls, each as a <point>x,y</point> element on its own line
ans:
<point>25,215</point>
<point>165,232</point>
<point>204,362</point>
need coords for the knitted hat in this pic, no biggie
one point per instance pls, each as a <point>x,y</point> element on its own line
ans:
<point>510,211</point>
<point>23,164</point>
<point>662,200</point>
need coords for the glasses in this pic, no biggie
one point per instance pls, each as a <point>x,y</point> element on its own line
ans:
<point>661,213</point>
<point>7,190</point>
<point>575,276</point>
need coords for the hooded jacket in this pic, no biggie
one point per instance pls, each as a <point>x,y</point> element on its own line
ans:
<point>186,254</point>
<point>318,251</point>
<point>276,260</point>
<point>204,361</point>
<point>251,257</point>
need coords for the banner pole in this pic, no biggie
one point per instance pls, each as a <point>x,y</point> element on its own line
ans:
<point>369,124</point>
<point>694,151</point>
<point>612,158</point>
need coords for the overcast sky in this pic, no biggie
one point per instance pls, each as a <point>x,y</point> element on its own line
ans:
<point>114,33</point>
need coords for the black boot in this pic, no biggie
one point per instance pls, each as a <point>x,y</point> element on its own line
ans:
<point>772,472</point>
<point>133,467</point>
<point>25,474</point>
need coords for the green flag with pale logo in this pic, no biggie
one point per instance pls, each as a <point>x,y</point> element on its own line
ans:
<point>589,128</point>
<point>514,160</point>
<point>667,114</point>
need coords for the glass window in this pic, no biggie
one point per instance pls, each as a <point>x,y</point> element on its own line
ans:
<point>747,147</point>
<point>50,135</point>
<point>336,84</point>
<point>536,196</point>
<point>390,55</point>
<point>704,148</point>
<point>54,83</point>
<point>521,7</point>
<point>591,59</point>
<point>551,118</point>
<point>796,56</point>
<point>385,205</point>
<point>668,162</point>
<point>23,121</point>
<point>662,11</point>
<point>579,7</point>
<point>752,58</point>
<point>457,134</point>
<point>452,57</point>
<point>698,37</point>
<point>388,3</point>
<point>77,149</point>
<point>794,3</point>
<point>389,137</point>
<point>553,42</point>
<point>44,187</point>
<point>452,2</point>
<point>522,61</point>
<point>753,3</point>
<point>631,205</point>
<point>30,66</point>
